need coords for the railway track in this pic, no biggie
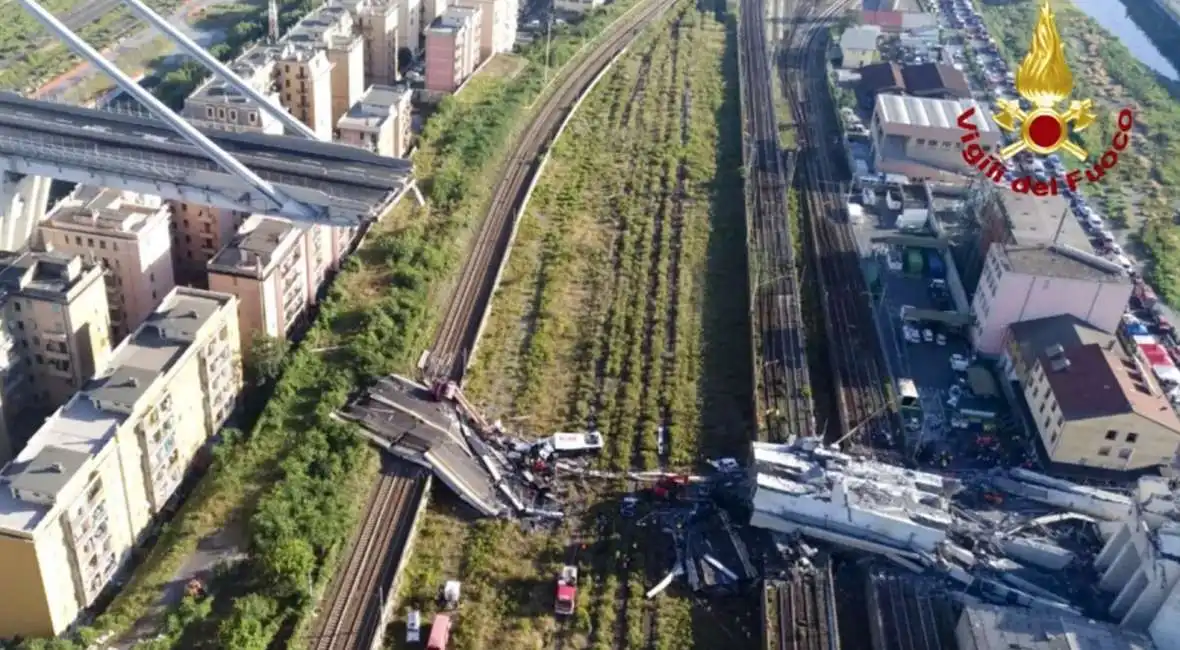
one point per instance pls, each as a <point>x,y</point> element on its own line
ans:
<point>803,612</point>
<point>861,379</point>
<point>352,615</point>
<point>783,397</point>
<point>460,329</point>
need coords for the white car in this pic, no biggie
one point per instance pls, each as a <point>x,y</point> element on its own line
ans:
<point>928,335</point>
<point>959,363</point>
<point>940,339</point>
<point>413,626</point>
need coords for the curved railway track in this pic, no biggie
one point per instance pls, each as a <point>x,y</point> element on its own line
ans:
<point>459,331</point>
<point>861,378</point>
<point>352,614</point>
<point>783,397</point>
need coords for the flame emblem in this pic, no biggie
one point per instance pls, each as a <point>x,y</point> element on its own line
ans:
<point>1044,79</point>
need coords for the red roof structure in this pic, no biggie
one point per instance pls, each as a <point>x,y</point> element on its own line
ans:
<point>882,19</point>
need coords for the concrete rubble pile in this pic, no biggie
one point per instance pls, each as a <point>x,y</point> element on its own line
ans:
<point>914,519</point>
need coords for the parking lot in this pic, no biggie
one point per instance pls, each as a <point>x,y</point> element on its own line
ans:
<point>963,422</point>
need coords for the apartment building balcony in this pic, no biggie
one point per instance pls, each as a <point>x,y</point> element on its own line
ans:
<point>89,519</point>
<point>56,334</point>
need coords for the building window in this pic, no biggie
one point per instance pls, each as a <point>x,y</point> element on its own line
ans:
<point>102,244</point>
<point>16,306</point>
<point>253,118</point>
<point>233,116</point>
<point>90,242</point>
<point>1112,435</point>
<point>1060,421</point>
<point>209,112</point>
<point>1125,454</point>
<point>1053,438</point>
<point>221,113</point>
<point>1104,451</point>
<point>1042,410</point>
<point>1132,438</point>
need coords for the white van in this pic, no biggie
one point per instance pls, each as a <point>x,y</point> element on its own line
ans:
<point>1094,221</point>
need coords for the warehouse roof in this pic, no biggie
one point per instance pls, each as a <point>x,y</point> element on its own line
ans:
<point>928,112</point>
<point>861,37</point>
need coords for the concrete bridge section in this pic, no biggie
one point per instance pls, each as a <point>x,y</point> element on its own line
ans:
<point>343,185</point>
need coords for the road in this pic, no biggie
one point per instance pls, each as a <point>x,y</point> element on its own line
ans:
<point>183,18</point>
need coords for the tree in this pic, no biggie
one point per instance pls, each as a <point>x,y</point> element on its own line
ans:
<point>289,564</point>
<point>251,625</point>
<point>265,358</point>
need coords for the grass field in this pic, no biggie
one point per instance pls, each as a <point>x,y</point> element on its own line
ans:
<point>623,308</point>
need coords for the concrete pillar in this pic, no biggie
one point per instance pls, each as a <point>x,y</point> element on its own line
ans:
<point>23,201</point>
<point>1129,594</point>
<point>1148,604</point>
<point>1113,547</point>
<point>1121,570</point>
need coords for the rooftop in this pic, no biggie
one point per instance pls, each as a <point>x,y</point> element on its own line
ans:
<point>1003,628</point>
<point>256,246</point>
<point>455,19</point>
<point>316,32</point>
<point>1091,381</point>
<point>106,211</point>
<point>1036,336</point>
<point>89,420</point>
<point>933,77</point>
<point>1036,219</point>
<point>1059,261</point>
<point>377,105</point>
<point>860,37</point>
<point>927,112</point>
<point>43,275</point>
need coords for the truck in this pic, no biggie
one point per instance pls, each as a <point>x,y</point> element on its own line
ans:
<point>440,633</point>
<point>567,591</point>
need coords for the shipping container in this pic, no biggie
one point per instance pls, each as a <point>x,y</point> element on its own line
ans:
<point>915,261</point>
<point>934,264</point>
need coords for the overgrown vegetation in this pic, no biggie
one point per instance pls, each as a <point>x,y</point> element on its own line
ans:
<point>1142,191</point>
<point>295,482</point>
<point>618,310</point>
<point>30,56</point>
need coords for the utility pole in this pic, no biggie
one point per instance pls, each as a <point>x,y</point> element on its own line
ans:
<point>272,23</point>
<point>548,34</point>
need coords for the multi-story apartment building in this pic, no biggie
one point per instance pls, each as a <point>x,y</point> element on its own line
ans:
<point>130,236</point>
<point>378,22</point>
<point>305,86</point>
<point>215,104</point>
<point>332,30</point>
<point>498,26</point>
<point>269,267</point>
<point>55,312</point>
<point>379,121</point>
<point>434,9</point>
<point>1095,406</point>
<point>198,232</point>
<point>1027,282</point>
<point>82,493</point>
<point>452,48</point>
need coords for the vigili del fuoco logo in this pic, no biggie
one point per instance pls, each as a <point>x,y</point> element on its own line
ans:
<point>1045,81</point>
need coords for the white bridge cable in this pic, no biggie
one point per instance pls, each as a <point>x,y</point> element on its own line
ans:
<point>219,69</point>
<point>284,204</point>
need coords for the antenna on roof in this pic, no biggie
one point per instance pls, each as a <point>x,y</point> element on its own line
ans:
<point>272,20</point>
